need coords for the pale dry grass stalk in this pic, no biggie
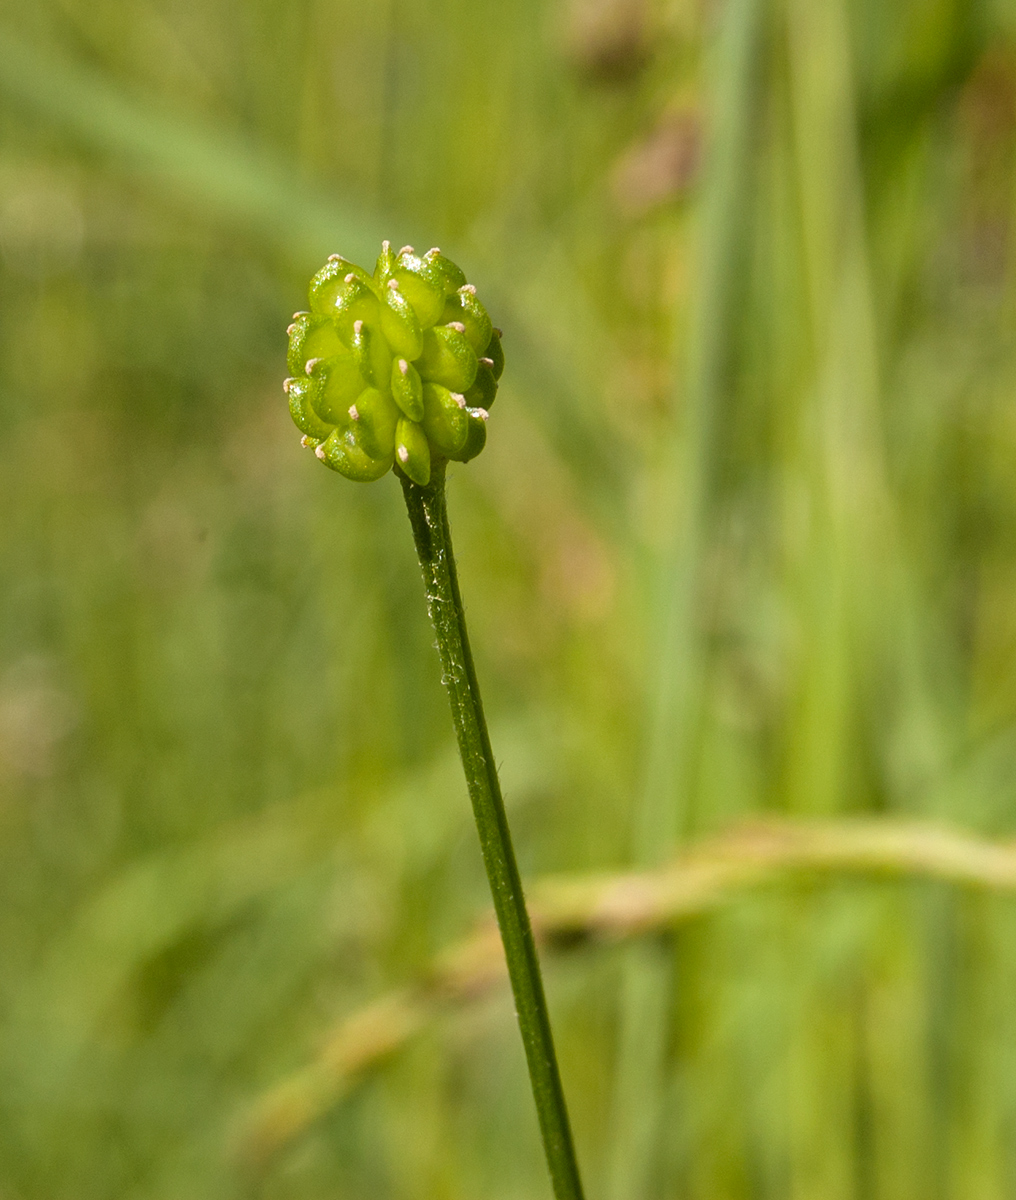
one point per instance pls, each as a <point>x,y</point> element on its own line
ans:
<point>611,907</point>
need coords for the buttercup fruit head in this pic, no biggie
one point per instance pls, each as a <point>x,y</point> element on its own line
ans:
<point>399,368</point>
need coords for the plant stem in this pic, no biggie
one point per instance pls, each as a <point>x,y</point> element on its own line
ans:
<point>428,515</point>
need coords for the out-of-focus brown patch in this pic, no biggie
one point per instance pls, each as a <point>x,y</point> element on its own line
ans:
<point>608,40</point>
<point>988,102</point>
<point>661,166</point>
<point>575,569</point>
<point>42,228</point>
<point>987,113</point>
<point>36,715</point>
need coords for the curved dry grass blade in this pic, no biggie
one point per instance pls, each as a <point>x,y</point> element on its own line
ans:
<point>618,906</point>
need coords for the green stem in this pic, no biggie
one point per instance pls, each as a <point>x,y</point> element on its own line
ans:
<point>428,515</point>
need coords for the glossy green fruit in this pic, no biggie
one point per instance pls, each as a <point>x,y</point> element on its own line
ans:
<point>476,438</point>
<point>339,382</point>
<point>311,337</point>
<point>447,358</point>
<point>423,285</point>
<point>301,409</point>
<point>464,308</point>
<point>412,450</point>
<point>343,452</point>
<point>345,296</point>
<point>407,389</point>
<point>444,269</point>
<point>372,354</point>
<point>399,322</point>
<point>375,416</point>
<point>385,266</point>
<point>484,389</point>
<point>444,418</point>
<point>495,353</point>
<point>395,367</point>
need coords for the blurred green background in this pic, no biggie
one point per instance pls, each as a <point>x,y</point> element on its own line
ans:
<point>743,542</point>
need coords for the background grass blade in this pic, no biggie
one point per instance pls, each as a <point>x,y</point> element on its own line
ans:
<point>666,809</point>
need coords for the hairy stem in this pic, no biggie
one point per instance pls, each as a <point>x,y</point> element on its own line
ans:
<point>429,518</point>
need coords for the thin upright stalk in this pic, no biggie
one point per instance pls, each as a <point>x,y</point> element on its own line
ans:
<point>428,515</point>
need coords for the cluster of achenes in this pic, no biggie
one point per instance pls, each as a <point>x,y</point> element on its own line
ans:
<point>399,366</point>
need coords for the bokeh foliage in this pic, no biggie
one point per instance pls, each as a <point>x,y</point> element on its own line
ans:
<point>743,541</point>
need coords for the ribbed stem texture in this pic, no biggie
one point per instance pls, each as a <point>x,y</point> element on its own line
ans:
<point>429,517</point>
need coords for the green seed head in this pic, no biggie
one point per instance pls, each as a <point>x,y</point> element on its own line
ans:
<point>395,368</point>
